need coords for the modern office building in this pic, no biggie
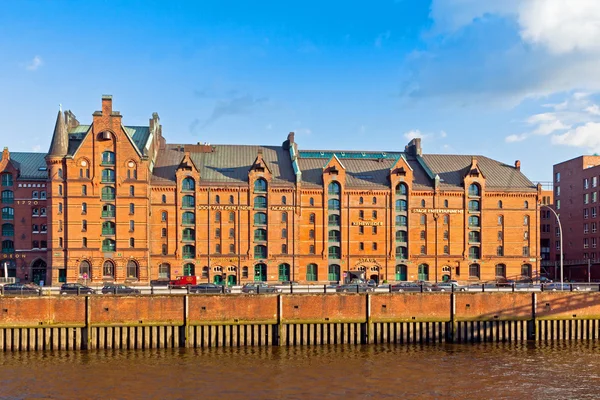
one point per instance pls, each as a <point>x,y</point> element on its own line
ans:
<point>116,202</point>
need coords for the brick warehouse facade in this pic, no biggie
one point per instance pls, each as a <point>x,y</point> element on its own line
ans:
<point>123,205</point>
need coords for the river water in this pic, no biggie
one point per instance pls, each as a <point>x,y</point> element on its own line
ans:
<point>566,370</point>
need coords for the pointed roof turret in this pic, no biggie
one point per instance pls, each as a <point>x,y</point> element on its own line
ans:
<point>59,145</point>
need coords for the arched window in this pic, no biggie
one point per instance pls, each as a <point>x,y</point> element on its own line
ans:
<point>85,270</point>
<point>526,220</point>
<point>260,185</point>
<point>474,237</point>
<point>189,234</point>
<point>445,203</point>
<point>108,245</point>
<point>8,230</point>
<point>333,272</point>
<point>333,220</point>
<point>401,205</point>
<point>108,193</point>
<point>474,190</point>
<point>189,269</point>
<point>423,235</point>
<point>231,199</point>
<point>526,204</point>
<point>108,269</point>
<point>231,233</point>
<point>423,272</point>
<point>311,218</point>
<point>423,219</point>
<point>402,252</point>
<point>132,270</point>
<point>164,198</point>
<point>231,216</point>
<point>260,251</point>
<point>312,273</point>
<point>8,246</point>
<point>217,199</point>
<point>108,175</point>
<point>474,221</point>
<point>164,271</point>
<point>189,251</point>
<point>8,213</point>
<point>283,200</point>
<point>401,272</point>
<point>188,218</point>
<point>188,184</point>
<point>361,214</point>
<point>108,211</point>
<point>401,236</point>
<point>108,158</point>
<point>334,252</point>
<point>131,190</point>
<point>374,200</point>
<point>500,220</point>
<point>423,249</point>
<point>361,200</point>
<point>284,233</point>
<point>474,253</point>
<point>218,233</point>
<point>108,228</point>
<point>501,271</point>
<point>260,218</point>
<point>474,272</point>
<point>333,204</point>
<point>163,216</point>
<point>284,272</point>
<point>260,202</point>
<point>526,270</point>
<point>188,201</point>
<point>311,201</point>
<point>334,235</point>
<point>473,205</point>
<point>446,219</point>
<point>218,216</point>
<point>7,179</point>
<point>8,197</point>
<point>401,220</point>
<point>446,249</point>
<point>401,189</point>
<point>334,188</point>
<point>499,203</point>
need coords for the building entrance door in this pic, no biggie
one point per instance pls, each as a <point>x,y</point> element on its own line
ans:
<point>231,280</point>
<point>218,279</point>
<point>38,272</point>
<point>423,272</point>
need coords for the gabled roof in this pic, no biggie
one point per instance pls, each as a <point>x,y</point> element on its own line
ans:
<point>453,168</point>
<point>29,165</point>
<point>225,164</point>
<point>139,135</point>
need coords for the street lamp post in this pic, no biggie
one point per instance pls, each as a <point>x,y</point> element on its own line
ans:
<point>561,242</point>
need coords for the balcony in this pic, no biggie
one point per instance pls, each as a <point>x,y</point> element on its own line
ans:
<point>108,248</point>
<point>108,214</point>
<point>189,238</point>
<point>188,255</point>
<point>108,197</point>
<point>108,232</point>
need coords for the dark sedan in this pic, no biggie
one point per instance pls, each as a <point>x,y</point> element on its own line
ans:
<point>21,288</point>
<point>115,288</point>
<point>259,287</point>
<point>209,288</point>
<point>411,287</point>
<point>355,288</point>
<point>76,288</point>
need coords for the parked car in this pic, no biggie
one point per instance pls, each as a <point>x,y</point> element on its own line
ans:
<point>76,288</point>
<point>160,282</point>
<point>117,288</point>
<point>209,288</point>
<point>448,286</point>
<point>22,288</point>
<point>355,288</point>
<point>566,287</point>
<point>259,287</point>
<point>411,287</point>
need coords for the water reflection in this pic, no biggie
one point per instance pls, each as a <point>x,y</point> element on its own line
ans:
<point>554,370</point>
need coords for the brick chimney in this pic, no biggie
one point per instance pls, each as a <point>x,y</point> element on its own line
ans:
<point>106,104</point>
<point>5,154</point>
<point>518,165</point>
<point>414,147</point>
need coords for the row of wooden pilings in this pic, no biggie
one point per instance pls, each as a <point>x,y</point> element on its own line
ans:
<point>497,325</point>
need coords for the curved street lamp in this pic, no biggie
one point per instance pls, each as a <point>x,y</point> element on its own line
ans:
<point>561,242</point>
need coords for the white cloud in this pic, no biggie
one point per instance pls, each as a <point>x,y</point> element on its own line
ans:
<point>415,133</point>
<point>549,127</point>
<point>587,136</point>
<point>562,26</point>
<point>443,134</point>
<point>36,148</point>
<point>515,138</point>
<point>34,64</point>
<point>593,109</point>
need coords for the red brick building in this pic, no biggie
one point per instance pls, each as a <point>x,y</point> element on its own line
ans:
<point>576,190</point>
<point>124,205</point>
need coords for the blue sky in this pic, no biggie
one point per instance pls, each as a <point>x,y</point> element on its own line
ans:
<point>507,79</point>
